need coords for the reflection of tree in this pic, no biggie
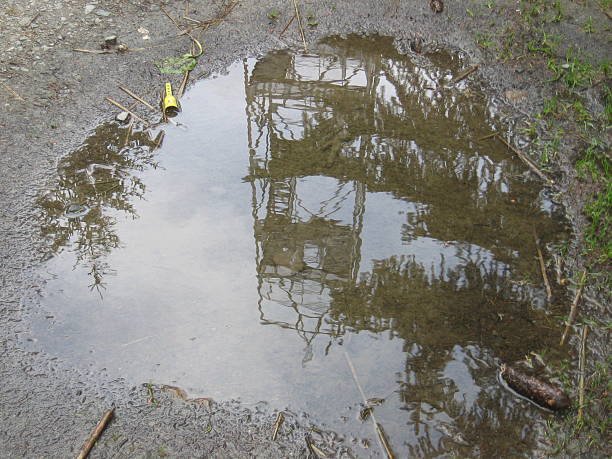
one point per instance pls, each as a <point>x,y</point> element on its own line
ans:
<point>359,115</point>
<point>96,182</point>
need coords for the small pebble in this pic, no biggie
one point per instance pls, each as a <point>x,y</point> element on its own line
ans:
<point>122,117</point>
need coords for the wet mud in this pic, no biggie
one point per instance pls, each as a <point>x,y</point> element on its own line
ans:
<point>305,214</point>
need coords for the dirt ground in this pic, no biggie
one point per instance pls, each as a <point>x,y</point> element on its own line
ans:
<point>53,96</point>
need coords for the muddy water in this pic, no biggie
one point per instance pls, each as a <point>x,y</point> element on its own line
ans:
<point>309,214</point>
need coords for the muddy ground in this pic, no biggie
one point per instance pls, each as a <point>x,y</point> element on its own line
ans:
<point>53,96</point>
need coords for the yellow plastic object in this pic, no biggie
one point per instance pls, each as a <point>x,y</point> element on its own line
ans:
<point>169,104</point>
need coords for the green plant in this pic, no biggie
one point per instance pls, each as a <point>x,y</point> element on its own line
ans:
<point>273,15</point>
<point>484,40</point>
<point>311,20</point>
<point>574,71</point>
<point>546,45</point>
<point>588,26</point>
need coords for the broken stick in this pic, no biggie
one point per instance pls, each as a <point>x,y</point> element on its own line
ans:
<point>382,439</point>
<point>299,19</point>
<point>280,418</point>
<point>542,267</point>
<point>463,75</point>
<point>582,369</point>
<point>142,101</point>
<point>526,160</point>
<point>488,136</point>
<point>574,308</point>
<point>91,441</point>
<point>125,109</point>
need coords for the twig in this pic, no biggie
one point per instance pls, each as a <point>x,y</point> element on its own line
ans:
<point>183,31</point>
<point>574,308</point>
<point>96,434</point>
<point>381,436</point>
<point>526,160</point>
<point>95,51</point>
<point>287,26</point>
<point>542,266</point>
<point>582,367</point>
<point>129,132</point>
<point>383,440</point>
<point>171,18</point>
<point>280,418</point>
<point>313,448</point>
<point>192,20</point>
<point>32,20</point>
<point>181,90</point>
<point>299,19</point>
<point>461,76</point>
<point>160,139</point>
<point>125,109</point>
<point>130,93</point>
<point>13,92</point>
<point>488,136</point>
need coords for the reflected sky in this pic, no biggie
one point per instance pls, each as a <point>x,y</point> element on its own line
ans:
<point>316,207</point>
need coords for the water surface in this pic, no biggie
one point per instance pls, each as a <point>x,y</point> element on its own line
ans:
<point>311,211</point>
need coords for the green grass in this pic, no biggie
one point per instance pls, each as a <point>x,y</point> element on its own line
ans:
<point>572,436</point>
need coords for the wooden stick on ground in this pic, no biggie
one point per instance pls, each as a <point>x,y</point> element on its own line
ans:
<point>488,136</point>
<point>526,160</point>
<point>13,92</point>
<point>384,444</point>
<point>280,418</point>
<point>142,101</point>
<point>574,308</point>
<point>542,266</point>
<point>582,369</point>
<point>125,109</point>
<point>463,75</point>
<point>91,441</point>
<point>286,26</point>
<point>299,19</point>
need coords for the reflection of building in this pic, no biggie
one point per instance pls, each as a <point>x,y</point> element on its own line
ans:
<point>368,120</point>
<point>327,131</point>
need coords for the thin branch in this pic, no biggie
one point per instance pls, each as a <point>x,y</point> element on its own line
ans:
<point>574,308</point>
<point>280,418</point>
<point>299,19</point>
<point>463,75</point>
<point>13,92</point>
<point>91,441</point>
<point>384,444</point>
<point>125,109</point>
<point>542,266</point>
<point>286,26</point>
<point>488,136</point>
<point>526,160</point>
<point>131,94</point>
<point>582,369</point>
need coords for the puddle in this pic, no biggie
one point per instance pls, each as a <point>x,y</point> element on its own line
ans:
<point>316,210</point>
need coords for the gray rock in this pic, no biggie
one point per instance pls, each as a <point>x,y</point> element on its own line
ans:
<point>110,39</point>
<point>89,8</point>
<point>103,13</point>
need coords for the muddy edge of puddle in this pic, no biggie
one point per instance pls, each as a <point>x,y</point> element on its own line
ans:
<point>54,96</point>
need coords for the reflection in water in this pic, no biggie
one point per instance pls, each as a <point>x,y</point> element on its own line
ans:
<point>97,182</point>
<point>382,229</point>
